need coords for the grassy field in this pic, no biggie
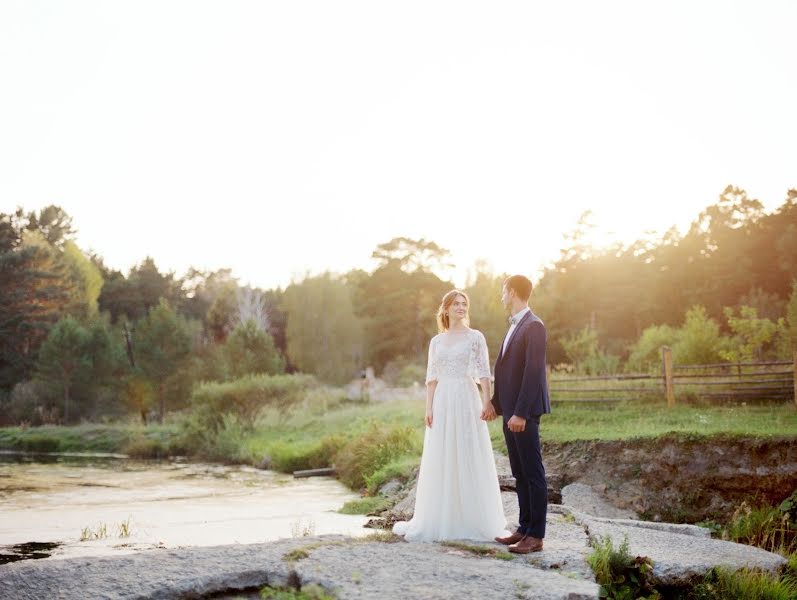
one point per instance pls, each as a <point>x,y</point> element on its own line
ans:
<point>308,425</point>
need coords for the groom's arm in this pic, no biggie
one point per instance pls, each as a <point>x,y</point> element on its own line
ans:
<point>534,366</point>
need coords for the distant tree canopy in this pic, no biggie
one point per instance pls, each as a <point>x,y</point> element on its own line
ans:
<point>80,339</point>
<point>733,254</point>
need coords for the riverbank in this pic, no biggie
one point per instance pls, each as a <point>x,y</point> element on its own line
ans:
<point>310,423</point>
<point>384,566</point>
<point>316,435</point>
<point>102,505</point>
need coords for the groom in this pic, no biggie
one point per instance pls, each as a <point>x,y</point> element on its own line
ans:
<point>521,396</point>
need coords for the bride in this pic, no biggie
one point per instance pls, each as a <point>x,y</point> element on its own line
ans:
<point>458,495</point>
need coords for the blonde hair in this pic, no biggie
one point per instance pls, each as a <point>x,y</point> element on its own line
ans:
<point>443,321</point>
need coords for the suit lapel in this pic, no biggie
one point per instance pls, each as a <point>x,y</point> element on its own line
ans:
<point>514,336</point>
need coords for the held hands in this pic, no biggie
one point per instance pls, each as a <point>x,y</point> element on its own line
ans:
<point>488,412</point>
<point>516,424</point>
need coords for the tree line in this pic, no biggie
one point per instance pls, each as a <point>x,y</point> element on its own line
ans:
<point>81,340</point>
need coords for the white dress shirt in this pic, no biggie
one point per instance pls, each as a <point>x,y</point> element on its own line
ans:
<point>514,320</point>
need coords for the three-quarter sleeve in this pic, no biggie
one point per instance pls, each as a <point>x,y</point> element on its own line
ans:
<point>432,370</point>
<point>481,359</point>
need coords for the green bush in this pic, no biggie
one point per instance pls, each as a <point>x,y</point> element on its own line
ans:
<point>288,457</point>
<point>400,468</point>
<point>144,447</point>
<point>365,455</point>
<point>247,397</point>
<point>39,443</point>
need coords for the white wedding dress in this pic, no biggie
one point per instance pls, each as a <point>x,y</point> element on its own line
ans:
<point>458,495</point>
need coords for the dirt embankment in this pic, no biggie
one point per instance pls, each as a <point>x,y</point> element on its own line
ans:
<point>679,478</point>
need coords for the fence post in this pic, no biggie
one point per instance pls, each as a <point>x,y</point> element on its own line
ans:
<point>669,387</point>
<point>794,366</point>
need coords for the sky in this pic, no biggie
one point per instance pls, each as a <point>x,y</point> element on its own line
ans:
<point>281,139</point>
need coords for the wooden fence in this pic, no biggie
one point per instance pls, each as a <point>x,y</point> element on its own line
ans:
<point>735,382</point>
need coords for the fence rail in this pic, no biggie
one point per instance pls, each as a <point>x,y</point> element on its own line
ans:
<point>741,381</point>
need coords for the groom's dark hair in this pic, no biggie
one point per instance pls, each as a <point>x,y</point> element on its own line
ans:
<point>521,284</point>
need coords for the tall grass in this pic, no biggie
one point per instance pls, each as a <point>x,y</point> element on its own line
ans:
<point>722,584</point>
<point>620,575</point>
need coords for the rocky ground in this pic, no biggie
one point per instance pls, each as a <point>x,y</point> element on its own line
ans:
<point>387,567</point>
<point>384,567</point>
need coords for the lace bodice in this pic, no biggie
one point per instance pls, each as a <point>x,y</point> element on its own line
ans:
<point>458,355</point>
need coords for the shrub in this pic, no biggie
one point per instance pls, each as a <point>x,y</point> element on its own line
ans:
<point>400,468</point>
<point>31,402</point>
<point>39,443</point>
<point>365,455</point>
<point>144,447</point>
<point>247,397</point>
<point>288,457</point>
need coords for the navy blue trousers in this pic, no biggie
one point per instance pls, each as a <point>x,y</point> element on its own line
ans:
<point>525,458</point>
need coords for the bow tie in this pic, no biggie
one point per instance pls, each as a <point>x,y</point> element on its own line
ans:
<point>511,321</point>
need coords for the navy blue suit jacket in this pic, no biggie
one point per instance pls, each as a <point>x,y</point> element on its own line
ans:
<point>521,387</point>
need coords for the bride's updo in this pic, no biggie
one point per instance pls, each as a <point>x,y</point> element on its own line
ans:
<point>442,312</point>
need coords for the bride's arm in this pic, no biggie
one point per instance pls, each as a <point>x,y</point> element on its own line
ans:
<point>488,411</point>
<point>430,388</point>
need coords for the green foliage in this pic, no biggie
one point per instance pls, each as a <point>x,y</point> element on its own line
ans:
<point>398,308</point>
<point>65,361</point>
<point>752,334</point>
<point>133,297</point>
<point>250,351</point>
<point>373,449</point>
<point>142,446</point>
<point>699,340</point>
<point>583,351</point>
<point>246,398</point>
<point>580,346</point>
<point>724,584</point>
<point>645,354</point>
<point>365,506</point>
<point>621,576</point>
<point>487,312</point>
<point>400,468</point>
<point>773,528</point>
<point>87,281</point>
<point>480,550</point>
<point>33,290</point>
<point>307,592</point>
<point>290,456</point>
<point>791,316</point>
<point>324,337</point>
<point>163,344</point>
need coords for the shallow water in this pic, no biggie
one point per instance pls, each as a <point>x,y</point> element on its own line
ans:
<point>163,504</point>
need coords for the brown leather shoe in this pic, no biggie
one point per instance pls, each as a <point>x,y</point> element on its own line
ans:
<point>526,545</point>
<point>512,539</point>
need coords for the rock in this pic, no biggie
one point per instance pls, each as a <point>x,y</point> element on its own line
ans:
<point>585,499</point>
<point>404,509</point>
<point>679,528</point>
<point>265,463</point>
<point>678,557</point>
<point>347,567</point>
<point>390,488</point>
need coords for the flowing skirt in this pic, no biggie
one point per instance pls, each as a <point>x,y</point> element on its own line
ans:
<point>458,495</point>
